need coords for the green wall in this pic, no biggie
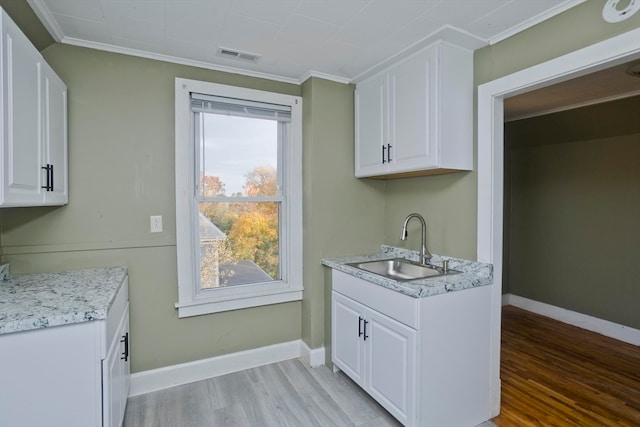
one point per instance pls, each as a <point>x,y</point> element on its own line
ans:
<point>448,205</point>
<point>579,27</point>
<point>573,210</point>
<point>25,18</point>
<point>121,171</point>
<point>342,215</point>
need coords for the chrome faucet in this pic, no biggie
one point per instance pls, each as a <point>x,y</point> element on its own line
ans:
<point>425,256</point>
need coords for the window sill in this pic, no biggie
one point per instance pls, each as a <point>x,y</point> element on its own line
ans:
<point>210,305</point>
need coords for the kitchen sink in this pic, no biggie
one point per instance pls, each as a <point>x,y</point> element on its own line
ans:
<point>401,269</point>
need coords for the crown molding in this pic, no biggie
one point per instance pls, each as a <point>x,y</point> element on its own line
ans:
<point>177,60</point>
<point>47,19</point>
<point>446,33</point>
<point>325,76</point>
<point>563,7</point>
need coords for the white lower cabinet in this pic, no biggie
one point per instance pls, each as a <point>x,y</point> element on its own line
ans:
<point>425,360</point>
<point>115,375</point>
<point>391,363</point>
<point>377,352</point>
<point>76,375</point>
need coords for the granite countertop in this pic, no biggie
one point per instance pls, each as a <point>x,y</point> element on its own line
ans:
<point>472,274</point>
<point>35,301</point>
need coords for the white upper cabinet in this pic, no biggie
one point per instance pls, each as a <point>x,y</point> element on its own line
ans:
<point>54,135</point>
<point>371,140</point>
<point>415,117</point>
<point>34,125</point>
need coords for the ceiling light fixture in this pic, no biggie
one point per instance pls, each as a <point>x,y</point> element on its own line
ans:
<point>614,12</point>
<point>223,52</point>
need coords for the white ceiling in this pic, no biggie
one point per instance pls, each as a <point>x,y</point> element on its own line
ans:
<point>336,39</point>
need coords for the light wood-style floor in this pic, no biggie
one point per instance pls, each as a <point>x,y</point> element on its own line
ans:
<point>282,394</point>
<point>554,374</point>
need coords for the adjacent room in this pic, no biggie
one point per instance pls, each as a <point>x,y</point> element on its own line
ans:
<point>571,202</point>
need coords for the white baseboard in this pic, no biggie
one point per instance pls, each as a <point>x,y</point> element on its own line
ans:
<point>314,357</point>
<point>600,326</point>
<point>184,373</point>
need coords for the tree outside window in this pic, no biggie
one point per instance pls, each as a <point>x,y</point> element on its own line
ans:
<point>239,232</point>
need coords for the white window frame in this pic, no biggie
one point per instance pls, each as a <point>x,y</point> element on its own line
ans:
<point>192,301</point>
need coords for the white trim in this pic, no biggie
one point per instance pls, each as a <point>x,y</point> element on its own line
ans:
<point>49,22</point>
<point>506,299</point>
<point>446,33</point>
<point>314,357</point>
<point>613,51</point>
<point>550,13</point>
<point>463,38</point>
<point>590,323</point>
<point>197,308</point>
<point>192,302</point>
<point>201,64</point>
<point>311,73</point>
<point>44,15</point>
<point>184,373</point>
<point>176,60</point>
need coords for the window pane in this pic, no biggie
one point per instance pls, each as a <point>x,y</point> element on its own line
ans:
<point>239,243</point>
<point>238,156</point>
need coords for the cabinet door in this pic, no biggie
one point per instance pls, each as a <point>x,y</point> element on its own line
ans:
<point>51,377</point>
<point>21,117</point>
<point>391,365</point>
<point>115,376</point>
<point>54,133</point>
<point>412,111</point>
<point>348,333</point>
<point>371,127</point>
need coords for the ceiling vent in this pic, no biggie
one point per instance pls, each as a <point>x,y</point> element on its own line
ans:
<point>237,55</point>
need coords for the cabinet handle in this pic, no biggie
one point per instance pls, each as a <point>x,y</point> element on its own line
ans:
<point>46,168</point>
<point>49,170</point>
<point>125,353</point>
<point>360,319</point>
<point>389,152</point>
<point>365,330</point>
<point>383,157</point>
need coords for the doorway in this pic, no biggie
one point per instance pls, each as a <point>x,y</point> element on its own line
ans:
<point>491,95</point>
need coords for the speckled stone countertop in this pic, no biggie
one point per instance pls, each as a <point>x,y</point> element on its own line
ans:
<point>472,274</point>
<point>34,301</point>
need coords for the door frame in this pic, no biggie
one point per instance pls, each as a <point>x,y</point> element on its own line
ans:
<point>605,54</point>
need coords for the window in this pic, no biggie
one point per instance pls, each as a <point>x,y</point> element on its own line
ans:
<point>238,197</point>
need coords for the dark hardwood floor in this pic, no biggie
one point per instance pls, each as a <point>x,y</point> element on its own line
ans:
<point>554,374</point>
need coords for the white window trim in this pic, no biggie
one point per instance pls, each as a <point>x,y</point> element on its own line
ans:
<point>191,301</point>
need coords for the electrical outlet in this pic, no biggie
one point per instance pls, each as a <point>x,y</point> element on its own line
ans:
<point>156,223</point>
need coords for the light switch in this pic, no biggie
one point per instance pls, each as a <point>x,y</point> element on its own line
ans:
<point>156,223</point>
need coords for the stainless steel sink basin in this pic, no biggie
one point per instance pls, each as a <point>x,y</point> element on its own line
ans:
<point>401,269</point>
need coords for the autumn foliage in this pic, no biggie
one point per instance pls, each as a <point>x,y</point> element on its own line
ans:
<point>251,227</point>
